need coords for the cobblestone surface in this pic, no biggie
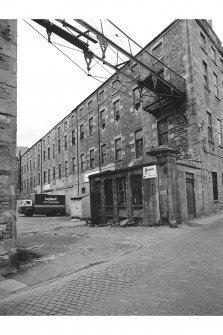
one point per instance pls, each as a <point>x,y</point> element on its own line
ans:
<point>182,275</point>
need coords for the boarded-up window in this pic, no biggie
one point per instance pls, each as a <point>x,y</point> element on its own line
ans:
<point>139,143</point>
<point>108,189</point>
<point>215,185</point>
<point>118,149</point>
<point>136,189</point>
<point>162,129</point>
<point>121,190</point>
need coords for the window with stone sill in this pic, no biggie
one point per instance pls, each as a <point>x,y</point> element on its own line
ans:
<point>92,159</point>
<point>210,129</point>
<point>139,143</point>
<point>215,85</point>
<point>205,74</point>
<point>66,169</point>
<point>59,171</point>
<point>162,130</point>
<point>118,149</point>
<point>101,96</point>
<point>116,106</point>
<point>81,132</point>
<point>203,41</point>
<point>103,154</point>
<point>215,185</point>
<point>65,142</point>
<point>121,190</point>
<point>73,137</point>
<point>219,131</point>
<point>91,126</point>
<point>213,54</point>
<point>102,118</point>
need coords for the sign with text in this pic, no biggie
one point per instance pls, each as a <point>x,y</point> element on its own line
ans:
<point>149,172</point>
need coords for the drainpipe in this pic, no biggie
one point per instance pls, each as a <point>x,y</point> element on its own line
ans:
<point>99,135</point>
<point>78,169</point>
<point>41,167</point>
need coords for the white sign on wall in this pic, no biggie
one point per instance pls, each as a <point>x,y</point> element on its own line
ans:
<point>149,172</point>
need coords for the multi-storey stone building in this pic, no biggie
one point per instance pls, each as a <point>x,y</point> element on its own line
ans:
<point>8,172</point>
<point>112,130</point>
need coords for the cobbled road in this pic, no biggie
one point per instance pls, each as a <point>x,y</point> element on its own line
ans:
<point>180,275</point>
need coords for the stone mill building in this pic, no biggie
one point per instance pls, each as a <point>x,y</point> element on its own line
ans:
<point>155,161</point>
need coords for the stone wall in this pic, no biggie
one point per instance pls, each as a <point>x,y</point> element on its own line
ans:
<point>8,63</point>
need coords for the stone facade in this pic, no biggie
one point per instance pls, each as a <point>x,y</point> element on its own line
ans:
<point>109,131</point>
<point>8,171</point>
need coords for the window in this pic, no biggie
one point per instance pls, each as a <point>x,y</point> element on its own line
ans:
<point>44,176</point>
<point>118,149</point>
<point>30,182</point>
<point>74,164</point>
<point>48,139</point>
<point>116,105</point>
<point>54,172</point>
<point>115,85</point>
<point>34,180</point>
<point>73,137</point>
<point>205,73</point>
<point>34,163</point>
<point>65,125</point>
<point>81,112</point>
<point>139,143</point>
<point>103,154</point>
<point>82,162</point>
<point>58,131</point>
<point>136,188</point>
<point>221,63</point>
<point>53,150</point>
<point>48,153</point>
<point>59,146</point>
<point>121,190</point>
<point>91,126</point>
<point>90,105</point>
<point>81,132</point>
<point>44,155</point>
<point>203,41</point>
<point>66,169</point>
<point>65,142</point>
<point>30,165</point>
<point>136,98</point>
<point>215,185</point>
<point>27,184</point>
<point>92,159</point>
<point>72,119</point>
<point>102,118</point>
<point>101,97</point>
<point>38,146</point>
<point>108,189</point>
<point>162,129</point>
<point>27,167</point>
<point>158,51</point>
<point>48,176</point>
<point>213,54</point>
<point>210,130</point>
<point>83,189</point>
<point>22,169</point>
<point>38,162</point>
<point>219,132</point>
<point>38,178</point>
<point>59,169</point>
<point>215,84</point>
<point>44,143</point>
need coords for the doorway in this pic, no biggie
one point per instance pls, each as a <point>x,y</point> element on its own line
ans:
<point>191,207</point>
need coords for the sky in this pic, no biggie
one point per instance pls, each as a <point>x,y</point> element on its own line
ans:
<point>50,86</point>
